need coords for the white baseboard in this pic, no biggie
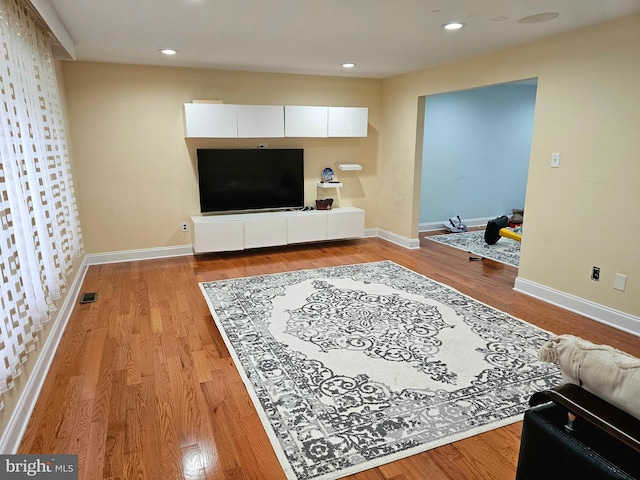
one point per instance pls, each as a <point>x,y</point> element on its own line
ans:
<point>410,243</point>
<point>142,254</point>
<point>600,313</point>
<point>469,222</point>
<point>370,232</point>
<point>19,419</point>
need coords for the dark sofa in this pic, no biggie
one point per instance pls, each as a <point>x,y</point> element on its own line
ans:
<point>570,433</point>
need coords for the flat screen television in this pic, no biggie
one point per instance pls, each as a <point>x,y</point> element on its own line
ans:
<point>250,179</point>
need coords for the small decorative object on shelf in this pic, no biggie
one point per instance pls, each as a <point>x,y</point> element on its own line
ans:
<point>324,204</point>
<point>327,175</point>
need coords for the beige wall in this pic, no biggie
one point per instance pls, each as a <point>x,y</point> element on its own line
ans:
<point>587,108</point>
<point>136,181</point>
<point>135,173</point>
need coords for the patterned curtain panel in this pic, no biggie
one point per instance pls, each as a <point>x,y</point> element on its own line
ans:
<point>39,227</point>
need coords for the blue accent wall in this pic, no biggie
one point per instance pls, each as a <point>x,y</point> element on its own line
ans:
<point>476,152</point>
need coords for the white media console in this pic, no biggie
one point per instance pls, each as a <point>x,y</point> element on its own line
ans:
<point>227,232</point>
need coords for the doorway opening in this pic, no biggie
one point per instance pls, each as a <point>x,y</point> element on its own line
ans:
<point>475,153</point>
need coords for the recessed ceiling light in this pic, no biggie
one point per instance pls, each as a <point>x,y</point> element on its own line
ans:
<point>539,17</point>
<point>168,51</point>
<point>453,26</point>
<point>348,65</point>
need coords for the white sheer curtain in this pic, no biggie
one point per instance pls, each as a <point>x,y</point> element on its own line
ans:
<point>39,228</point>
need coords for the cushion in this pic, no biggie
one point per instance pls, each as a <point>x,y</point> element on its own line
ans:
<point>604,371</point>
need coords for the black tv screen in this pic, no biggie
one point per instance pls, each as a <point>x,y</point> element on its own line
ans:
<point>250,179</point>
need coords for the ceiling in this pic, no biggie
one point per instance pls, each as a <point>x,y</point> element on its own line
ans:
<point>384,38</point>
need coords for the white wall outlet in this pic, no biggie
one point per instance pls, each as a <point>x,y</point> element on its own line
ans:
<point>185,227</point>
<point>620,282</point>
<point>555,160</point>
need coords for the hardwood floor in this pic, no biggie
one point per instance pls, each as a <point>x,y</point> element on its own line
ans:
<point>142,385</point>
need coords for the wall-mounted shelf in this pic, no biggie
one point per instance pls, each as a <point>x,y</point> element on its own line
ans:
<point>329,184</point>
<point>349,166</point>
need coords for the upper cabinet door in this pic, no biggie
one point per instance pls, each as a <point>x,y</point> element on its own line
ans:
<point>300,121</point>
<point>210,120</point>
<point>348,121</point>
<point>260,121</point>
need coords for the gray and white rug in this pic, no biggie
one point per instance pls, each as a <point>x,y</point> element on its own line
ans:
<point>505,250</point>
<point>355,366</point>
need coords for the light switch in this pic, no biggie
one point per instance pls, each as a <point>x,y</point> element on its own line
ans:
<point>555,159</point>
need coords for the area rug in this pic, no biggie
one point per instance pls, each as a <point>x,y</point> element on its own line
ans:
<point>505,250</point>
<point>355,366</point>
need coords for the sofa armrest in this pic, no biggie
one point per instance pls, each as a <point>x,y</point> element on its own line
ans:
<point>617,423</point>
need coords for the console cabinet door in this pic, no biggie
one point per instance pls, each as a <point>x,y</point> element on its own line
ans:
<point>305,121</point>
<point>348,121</point>
<point>345,223</point>
<point>210,120</point>
<point>221,236</point>
<point>265,232</point>
<point>260,121</point>
<point>307,227</point>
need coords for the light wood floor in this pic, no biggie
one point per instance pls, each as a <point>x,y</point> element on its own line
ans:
<point>142,385</point>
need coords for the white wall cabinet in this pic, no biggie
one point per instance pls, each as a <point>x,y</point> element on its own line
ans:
<point>205,120</point>
<point>260,121</point>
<point>219,233</point>
<point>214,120</point>
<point>348,121</point>
<point>301,121</point>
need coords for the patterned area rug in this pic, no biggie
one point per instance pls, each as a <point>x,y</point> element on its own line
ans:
<point>355,366</point>
<point>505,250</point>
